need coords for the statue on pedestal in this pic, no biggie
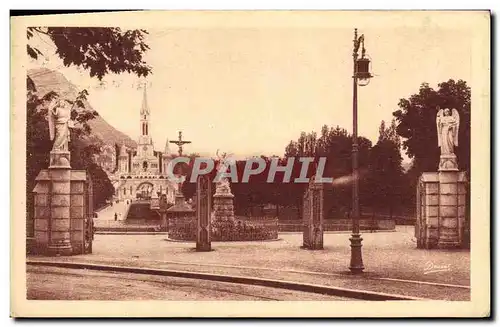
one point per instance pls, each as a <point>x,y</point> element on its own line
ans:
<point>59,123</point>
<point>222,186</point>
<point>447,123</point>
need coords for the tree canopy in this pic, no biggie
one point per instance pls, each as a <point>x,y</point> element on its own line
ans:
<point>416,119</point>
<point>99,50</point>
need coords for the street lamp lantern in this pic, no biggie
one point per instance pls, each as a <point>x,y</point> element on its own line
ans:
<point>363,71</point>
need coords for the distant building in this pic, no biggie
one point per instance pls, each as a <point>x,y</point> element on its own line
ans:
<point>139,173</point>
<point>107,158</point>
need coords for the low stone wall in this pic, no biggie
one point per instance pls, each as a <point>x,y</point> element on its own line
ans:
<point>340,225</point>
<point>126,226</point>
<point>239,229</point>
<point>185,228</point>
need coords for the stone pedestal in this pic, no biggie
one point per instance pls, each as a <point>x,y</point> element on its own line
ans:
<point>59,159</point>
<point>60,220</point>
<point>223,202</point>
<point>223,207</point>
<point>452,193</point>
<point>441,209</point>
<point>63,209</point>
<point>448,162</point>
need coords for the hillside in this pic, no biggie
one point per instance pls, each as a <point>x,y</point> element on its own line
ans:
<point>47,80</point>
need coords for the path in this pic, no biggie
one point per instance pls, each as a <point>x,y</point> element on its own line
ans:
<point>108,213</point>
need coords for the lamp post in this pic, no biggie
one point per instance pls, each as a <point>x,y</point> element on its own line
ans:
<point>361,76</point>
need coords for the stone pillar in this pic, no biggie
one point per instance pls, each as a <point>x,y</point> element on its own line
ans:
<point>427,223</point>
<point>42,213</point>
<point>203,213</point>
<point>81,211</point>
<point>59,203</point>
<point>313,217</point>
<point>441,207</point>
<point>63,209</point>
<point>452,192</point>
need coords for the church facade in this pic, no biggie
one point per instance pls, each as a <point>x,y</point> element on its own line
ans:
<point>140,173</point>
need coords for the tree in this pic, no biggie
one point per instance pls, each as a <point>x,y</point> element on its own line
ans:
<point>389,133</point>
<point>417,123</point>
<point>97,49</point>
<point>385,175</point>
<point>335,144</point>
<point>102,187</point>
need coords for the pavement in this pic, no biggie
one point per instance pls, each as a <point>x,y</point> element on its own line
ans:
<point>393,264</point>
<point>44,283</point>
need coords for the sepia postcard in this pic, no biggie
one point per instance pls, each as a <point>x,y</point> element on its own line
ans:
<point>251,164</point>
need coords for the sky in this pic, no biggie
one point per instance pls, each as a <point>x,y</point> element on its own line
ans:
<point>250,90</point>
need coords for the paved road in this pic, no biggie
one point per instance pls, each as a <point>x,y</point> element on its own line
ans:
<point>388,255</point>
<point>393,263</point>
<point>48,283</point>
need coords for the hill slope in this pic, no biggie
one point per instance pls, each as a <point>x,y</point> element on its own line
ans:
<point>47,80</point>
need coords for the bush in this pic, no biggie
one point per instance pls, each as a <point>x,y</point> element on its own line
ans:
<point>230,230</point>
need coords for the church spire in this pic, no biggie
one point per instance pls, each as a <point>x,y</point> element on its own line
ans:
<point>145,107</point>
<point>167,149</point>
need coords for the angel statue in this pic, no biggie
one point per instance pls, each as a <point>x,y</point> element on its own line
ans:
<point>59,123</point>
<point>447,123</point>
<point>222,185</point>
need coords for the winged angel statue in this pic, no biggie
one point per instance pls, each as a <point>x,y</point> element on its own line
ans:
<point>447,122</point>
<point>222,184</point>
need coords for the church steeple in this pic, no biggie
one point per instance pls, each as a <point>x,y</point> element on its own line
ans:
<point>145,115</point>
<point>145,107</point>
<point>145,128</point>
<point>167,152</point>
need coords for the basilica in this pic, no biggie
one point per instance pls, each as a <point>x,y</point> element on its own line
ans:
<point>140,173</point>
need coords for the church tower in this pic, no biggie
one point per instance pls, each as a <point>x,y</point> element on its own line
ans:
<point>123,160</point>
<point>145,144</point>
<point>166,157</point>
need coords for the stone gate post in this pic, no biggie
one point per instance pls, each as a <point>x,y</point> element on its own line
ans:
<point>313,216</point>
<point>203,213</point>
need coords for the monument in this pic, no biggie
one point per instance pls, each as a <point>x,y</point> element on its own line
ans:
<point>447,124</point>
<point>63,197</point>
<point>441,195</point>
<point>223,198</point>
<point>180,142</point>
